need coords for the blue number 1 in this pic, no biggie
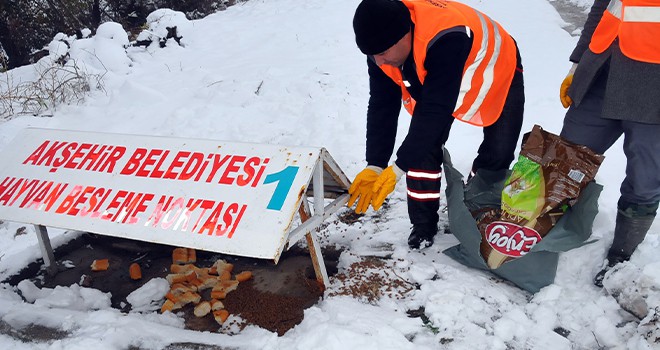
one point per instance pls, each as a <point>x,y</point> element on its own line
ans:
<point>284,181</point>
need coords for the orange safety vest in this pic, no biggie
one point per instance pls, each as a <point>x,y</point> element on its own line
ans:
<point>489,68</point>
<point>637,25</point>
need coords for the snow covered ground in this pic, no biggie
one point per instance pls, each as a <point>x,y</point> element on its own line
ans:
<point>288,72</point>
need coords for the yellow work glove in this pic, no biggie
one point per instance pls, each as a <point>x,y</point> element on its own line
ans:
<point>362,188</point>
<point>385,185</point>
<point>563,90</point>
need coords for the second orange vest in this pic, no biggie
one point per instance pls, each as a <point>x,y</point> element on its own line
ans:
<point>637,25</point>
<point>489,68</point>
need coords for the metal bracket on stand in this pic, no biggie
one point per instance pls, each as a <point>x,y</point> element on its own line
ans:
<point>46,248</point>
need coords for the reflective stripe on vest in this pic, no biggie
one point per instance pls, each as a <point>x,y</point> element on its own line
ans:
<point>615,8</point>
<point>637,25</point>
<point>488,74</point>
<point>648,14</point>
<point>489,68</point>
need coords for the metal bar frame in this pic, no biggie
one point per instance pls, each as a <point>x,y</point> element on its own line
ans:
<point>310,223</point>
<point>46,248</point>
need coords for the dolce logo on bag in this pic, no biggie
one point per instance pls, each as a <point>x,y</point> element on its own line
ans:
<point>511,239</point>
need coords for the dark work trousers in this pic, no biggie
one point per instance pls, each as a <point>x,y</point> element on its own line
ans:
<point>641,144</point>
<point>496,152</point>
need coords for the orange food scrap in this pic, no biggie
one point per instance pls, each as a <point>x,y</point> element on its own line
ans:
<point>218,294</point>
<point>174,278</point>
<point>219,266</point>
<point>223,288</point>
<point>221,316</point>
<point>180,256</point>
<point>225,276</point>
<point>135,272</point>
<point>176,268</point>
<point>169,306</point>
<point>189,297</point>
<point>178,288</point>
<point>192,255</point>
<point>217,305</point>
<point>202,309</point>
<point>172,296</point>
<point>228,286</point>
<point>100,265</point>
<point>244,276</point>
<point>207,282</point>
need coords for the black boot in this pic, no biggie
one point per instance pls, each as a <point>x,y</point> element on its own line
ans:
<point>422,235</point>
<point>632,223</point>
<point>484,189</point>
<point>609,263</point>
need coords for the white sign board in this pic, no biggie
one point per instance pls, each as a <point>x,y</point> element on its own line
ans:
<point>227,197</point>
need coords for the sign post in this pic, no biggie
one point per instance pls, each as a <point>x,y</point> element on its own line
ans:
<point>226,197</point>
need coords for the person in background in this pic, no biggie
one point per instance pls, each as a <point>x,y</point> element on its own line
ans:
<point>613,89</point>
<point>445,61</point>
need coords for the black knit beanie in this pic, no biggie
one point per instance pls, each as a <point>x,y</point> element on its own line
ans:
<point>379,24</point>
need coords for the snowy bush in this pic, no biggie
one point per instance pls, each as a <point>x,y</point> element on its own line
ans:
<point>165,25</point>
<point>72,68</point>
<point>55,85</point>
<point>106,51</point>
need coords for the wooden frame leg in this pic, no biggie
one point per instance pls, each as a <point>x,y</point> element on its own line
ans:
<point>314,250</point>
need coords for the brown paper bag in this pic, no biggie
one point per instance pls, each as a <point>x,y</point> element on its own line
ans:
<point>545,181</point>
